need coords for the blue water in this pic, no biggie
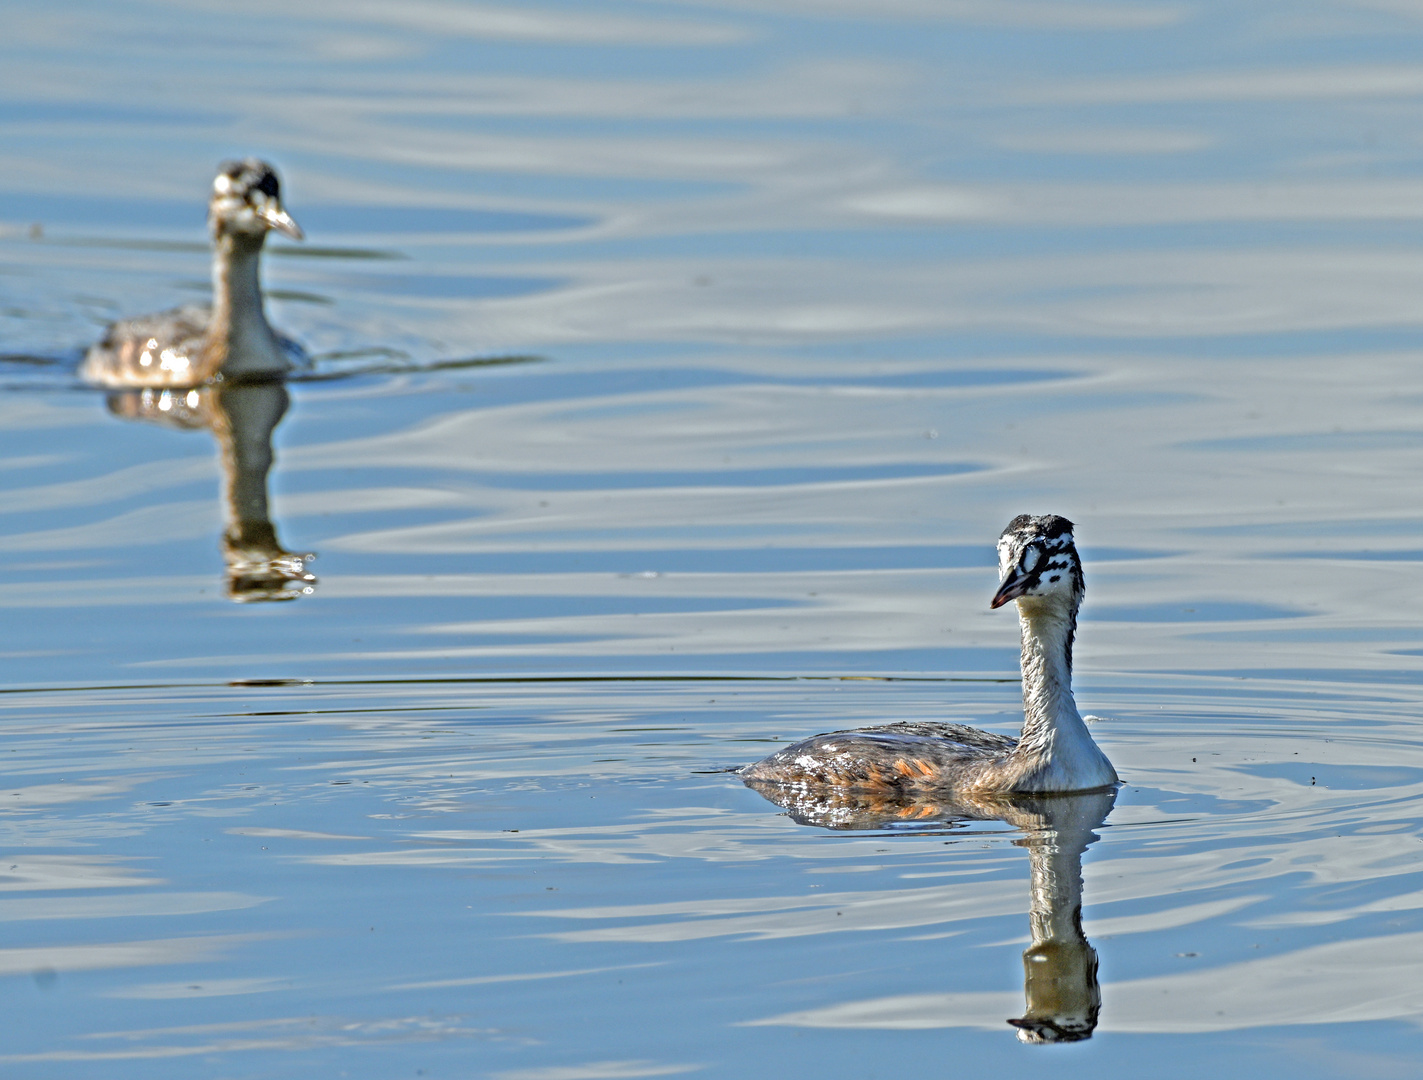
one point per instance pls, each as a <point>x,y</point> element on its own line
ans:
<point>675,368</point>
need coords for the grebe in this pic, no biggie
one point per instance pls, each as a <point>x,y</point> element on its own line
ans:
<point>1055,752</point>
<point>192,345</point>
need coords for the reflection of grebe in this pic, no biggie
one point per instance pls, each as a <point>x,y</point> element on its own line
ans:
<point>242,417</point>
<point>1060,965</point>
<point>192,345</point>
<point>1055,752</point>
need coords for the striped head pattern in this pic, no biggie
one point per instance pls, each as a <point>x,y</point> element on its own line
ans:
<point>247,198</point>
<point>1037,558</point>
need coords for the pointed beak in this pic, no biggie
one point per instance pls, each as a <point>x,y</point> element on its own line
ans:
<point>1010,588</point>
<point>280,220</point>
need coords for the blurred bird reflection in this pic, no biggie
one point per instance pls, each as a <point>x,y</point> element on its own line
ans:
<point>1060,965</point>
<point>242,417</point>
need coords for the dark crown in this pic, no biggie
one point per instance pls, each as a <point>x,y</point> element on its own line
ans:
<point>241,179</point>
<point>1044,526</point>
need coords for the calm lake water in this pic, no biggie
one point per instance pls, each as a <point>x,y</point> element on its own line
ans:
<point>676,366</point>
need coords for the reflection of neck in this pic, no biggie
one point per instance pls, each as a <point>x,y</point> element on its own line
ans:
<point>1060,966</point>
<point>240,340</point>
<point>243,422</point>
<point>1055,911</point>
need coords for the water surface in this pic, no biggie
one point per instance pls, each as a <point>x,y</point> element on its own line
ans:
<point>676,366</point>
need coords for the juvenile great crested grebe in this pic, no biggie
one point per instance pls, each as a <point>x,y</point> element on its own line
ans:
<point>1042,572</point>
<point>189,346</point>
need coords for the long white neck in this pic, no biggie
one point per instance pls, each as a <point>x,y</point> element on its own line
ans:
<point>1056,748</point>
<point>240,340</point>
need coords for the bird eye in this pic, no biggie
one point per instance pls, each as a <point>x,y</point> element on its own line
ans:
<point>1031,557</point>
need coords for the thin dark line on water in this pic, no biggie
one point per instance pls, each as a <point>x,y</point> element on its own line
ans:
<point>1163,821</point>
<point>493,680</point>
<point>963,830</point>
<point>350,712</point>
<point>655,678</point>
<point>413,368</point>
<point>194,247</point>
<point>30,359</point>
<point>90,689</point>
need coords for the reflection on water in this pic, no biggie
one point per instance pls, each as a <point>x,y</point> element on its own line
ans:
<point>242,417</point>
<point>1060,966</point>
<point>521,865</point>
<point>828,289</point>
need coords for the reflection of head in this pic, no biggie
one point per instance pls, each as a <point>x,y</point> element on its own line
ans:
<point>1060,966</point>
<point>1060,983</point>
<point>242,417</point>
<point>259,568</point>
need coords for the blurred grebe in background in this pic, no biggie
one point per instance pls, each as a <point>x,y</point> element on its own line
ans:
<point>189,346</point>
